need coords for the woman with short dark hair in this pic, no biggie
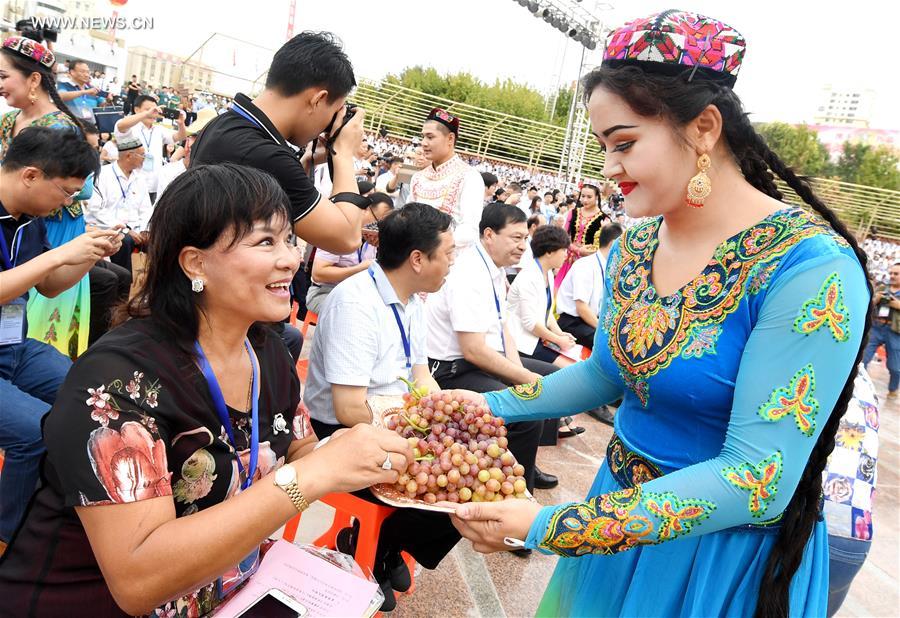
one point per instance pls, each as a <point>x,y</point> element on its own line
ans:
<point>530,299</point>
<point>178,442</point>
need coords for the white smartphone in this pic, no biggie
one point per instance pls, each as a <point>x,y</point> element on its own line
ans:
<point>274,604</point>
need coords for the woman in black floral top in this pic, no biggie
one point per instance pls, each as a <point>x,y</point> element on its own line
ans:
<point>142,509</point>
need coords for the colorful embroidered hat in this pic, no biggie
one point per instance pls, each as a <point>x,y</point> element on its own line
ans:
<point>673,41</point>
<point>31,50</point>
<point>445,118</point>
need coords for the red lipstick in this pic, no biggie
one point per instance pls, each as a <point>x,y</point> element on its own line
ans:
<point>627,187</point>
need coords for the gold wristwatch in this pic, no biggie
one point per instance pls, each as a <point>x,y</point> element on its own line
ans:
<point>286,479</point>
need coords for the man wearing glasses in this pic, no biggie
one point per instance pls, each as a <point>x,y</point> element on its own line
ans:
<point>43,170</point>
<point>121,200</point>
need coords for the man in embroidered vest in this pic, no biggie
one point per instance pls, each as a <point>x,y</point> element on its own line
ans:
<point>448,183</point>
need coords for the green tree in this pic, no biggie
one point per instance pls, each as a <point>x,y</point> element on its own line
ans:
<point>798,146</point>
<point>504,96</point>
<point>873,166</point>
<point>563,103</point>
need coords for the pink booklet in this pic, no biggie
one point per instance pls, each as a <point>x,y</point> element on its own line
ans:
<point>323,588</point>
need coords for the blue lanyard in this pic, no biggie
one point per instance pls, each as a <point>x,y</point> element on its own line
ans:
<point>403,337</point>
<point>361,250</point>
<point>120,184</point>
<point>4,252</point>
<point>144,137</point>
<point>546,287</point>
<point>496,299</point>
<point>222,410</point>
<point>602,269</point>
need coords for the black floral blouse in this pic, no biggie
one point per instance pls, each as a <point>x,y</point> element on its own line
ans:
<point>134,420</point>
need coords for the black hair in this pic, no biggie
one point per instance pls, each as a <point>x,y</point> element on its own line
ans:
<point>59,154</point>
<point>592,188</point>
<point>535,204</point>
<point>489,179</point>
<point>679,100</point>
<point>76,61</point>
<point>196,210</point>
<point>547,239</point>
<point>533,220</point>
<point>608,233</point>
<point>143,98</point>
<point>415,227</point>
<point>514,186</point>
<point>381,198</point>
<point>89,128</point>
<point>364,186</point>
<point>27,66</point>
<point>311,60</point>
<point>498,215</point>
<point>532,188</point>
<point>550,193</point>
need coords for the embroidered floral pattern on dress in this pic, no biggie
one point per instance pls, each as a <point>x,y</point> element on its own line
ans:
<point>678,515</point>
<point>702,340</point>
<point>795,400</point>
<point>826,309</point>
<point>527,392</point>
<point>647,332</point>
<point>761,480</point>
<point>602,525</point>
<point>628,467</point>
<point>613,522</point>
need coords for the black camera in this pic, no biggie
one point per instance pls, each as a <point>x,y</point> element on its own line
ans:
<point>30,30</point>
<point>171,114</point>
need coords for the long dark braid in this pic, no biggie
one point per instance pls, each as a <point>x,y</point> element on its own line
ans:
<point>800,516</point>
<point>680,100</point>
<point>50,87</point>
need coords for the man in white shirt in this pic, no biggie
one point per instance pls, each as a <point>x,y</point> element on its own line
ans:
<point>448,183</point>
<point>142,126</point>
<point>121,199</point>
<point>175,168</point>
<point>470,345</point>
<point>388,183</point>
<point>580,294</point>
<point>371,332</point>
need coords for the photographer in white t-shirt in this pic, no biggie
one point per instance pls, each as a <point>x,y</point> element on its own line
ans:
<point>142,126</point>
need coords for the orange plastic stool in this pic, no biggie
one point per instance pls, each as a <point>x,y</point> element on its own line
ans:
<point>370,516</point>
<point>585,353</point>
<point>311,318</point>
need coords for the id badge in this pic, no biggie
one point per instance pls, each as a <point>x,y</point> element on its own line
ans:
<point>148,162</point>
<point>12,322</point>
<point>884,311</point>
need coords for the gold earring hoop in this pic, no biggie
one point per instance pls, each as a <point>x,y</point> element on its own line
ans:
<point>700,186</point>
<point>32,97</point>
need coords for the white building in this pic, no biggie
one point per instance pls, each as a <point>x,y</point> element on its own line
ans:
<point>845,107</point>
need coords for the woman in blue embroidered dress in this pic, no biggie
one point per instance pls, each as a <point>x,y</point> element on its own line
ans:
<point>734,379</point>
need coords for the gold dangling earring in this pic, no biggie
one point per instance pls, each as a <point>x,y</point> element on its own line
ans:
<point>32,96</point>
<point>700,186</point>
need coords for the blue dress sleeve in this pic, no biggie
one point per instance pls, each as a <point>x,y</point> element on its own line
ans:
<point>586,385</point>
<point>795,363</point>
